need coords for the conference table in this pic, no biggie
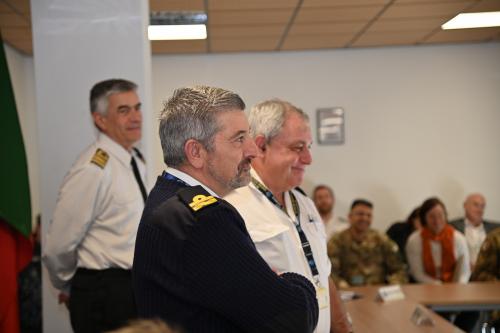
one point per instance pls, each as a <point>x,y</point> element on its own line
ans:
<point>473,296</point>
<point>371,315</point>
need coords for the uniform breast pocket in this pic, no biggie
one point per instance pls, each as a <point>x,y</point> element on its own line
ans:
<point>125,192</point>
<point>317,227</point>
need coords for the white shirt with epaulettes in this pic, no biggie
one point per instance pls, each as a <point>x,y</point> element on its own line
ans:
<point>97,214</point>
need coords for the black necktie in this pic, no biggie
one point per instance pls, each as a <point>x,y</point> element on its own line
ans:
<point>138,179</point>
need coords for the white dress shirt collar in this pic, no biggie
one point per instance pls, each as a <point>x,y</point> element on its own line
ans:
<point>475,235</point>
<point>113,147</point>
<point>189,180</point>
<point>468,224</point>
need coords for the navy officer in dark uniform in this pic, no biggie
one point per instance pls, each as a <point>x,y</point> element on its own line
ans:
<point>195,265</point>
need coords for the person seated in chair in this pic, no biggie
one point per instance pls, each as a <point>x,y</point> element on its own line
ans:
<point>437,253</point>
<point>363,256</point>
<point>473,226</point>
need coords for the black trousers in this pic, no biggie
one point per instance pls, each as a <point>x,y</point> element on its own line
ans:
<point>101,300</point>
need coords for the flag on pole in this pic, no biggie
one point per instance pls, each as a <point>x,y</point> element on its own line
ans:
<point>15,204</point>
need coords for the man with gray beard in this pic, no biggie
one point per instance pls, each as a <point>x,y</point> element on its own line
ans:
<point>195,265</point>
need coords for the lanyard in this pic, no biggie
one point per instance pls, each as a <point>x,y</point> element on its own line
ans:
<point>306,246</point>
<point>171,177</point>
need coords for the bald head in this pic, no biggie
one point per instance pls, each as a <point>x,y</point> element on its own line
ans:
<point>474,208</point>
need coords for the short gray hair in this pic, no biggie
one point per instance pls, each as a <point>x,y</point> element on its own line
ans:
<point>102,90</point>
<point>191,113</point>
<point>267,118</point>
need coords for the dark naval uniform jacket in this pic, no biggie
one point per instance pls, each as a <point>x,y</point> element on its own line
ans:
<point>196,267</point>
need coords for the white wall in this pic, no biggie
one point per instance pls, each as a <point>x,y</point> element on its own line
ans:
<point>23,83</point>
<point>420,121</point>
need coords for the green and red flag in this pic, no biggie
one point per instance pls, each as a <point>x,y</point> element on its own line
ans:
<point>15,204</point>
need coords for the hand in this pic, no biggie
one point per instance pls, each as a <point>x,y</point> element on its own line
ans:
<point>275,270</point>
<point>63,298</point>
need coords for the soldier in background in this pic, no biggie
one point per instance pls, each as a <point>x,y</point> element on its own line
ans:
<point>363,256</point>
<point>487,266</point>
<point>324,200</point>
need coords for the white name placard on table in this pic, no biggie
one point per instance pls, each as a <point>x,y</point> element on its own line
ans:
<point>390,293</point>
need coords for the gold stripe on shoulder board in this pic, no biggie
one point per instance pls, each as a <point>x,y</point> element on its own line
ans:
<point>200,201</point>
<point>100,158</point>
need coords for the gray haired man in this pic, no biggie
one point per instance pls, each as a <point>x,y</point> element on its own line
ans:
<point>195,264</point>
<point>284,224</point>
<point>90,244</point>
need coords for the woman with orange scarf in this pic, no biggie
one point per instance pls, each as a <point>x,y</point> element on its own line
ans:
<point>437,253</point>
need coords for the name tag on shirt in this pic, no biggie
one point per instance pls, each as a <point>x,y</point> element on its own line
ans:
<point>323,297</point>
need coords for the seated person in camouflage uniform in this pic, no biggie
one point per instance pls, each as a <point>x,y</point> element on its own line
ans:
<point>487,266</point>
<point>363,256</point>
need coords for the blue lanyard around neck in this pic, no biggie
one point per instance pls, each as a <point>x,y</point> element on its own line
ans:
<point>306,246</point>
<point>171,177</point>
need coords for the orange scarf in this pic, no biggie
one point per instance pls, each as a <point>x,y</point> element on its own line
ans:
<point>445,237</point>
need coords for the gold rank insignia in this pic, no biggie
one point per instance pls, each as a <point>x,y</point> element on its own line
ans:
<point>200,201</point>
<point>196,198</point>
<point>100,158</point>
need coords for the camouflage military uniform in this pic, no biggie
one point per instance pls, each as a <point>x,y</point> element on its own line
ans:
<point>375,260</point>
<point>487,266</point>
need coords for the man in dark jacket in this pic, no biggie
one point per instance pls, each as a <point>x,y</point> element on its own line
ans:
<point>472,225</point>
<point>195,265</point>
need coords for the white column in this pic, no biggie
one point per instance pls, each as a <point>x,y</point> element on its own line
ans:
<point>76,44</point>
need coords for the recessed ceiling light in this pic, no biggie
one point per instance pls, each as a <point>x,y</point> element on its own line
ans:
<point>177,32</point>
<point>473,20</point>
<point>177,25</point>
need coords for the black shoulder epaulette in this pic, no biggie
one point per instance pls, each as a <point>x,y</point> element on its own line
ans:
<point>100,158</point>
<point>196,198</point>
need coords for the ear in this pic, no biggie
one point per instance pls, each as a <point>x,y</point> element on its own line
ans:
<point>260,142</point>
<point>195,153</point>
<point>99,121</point>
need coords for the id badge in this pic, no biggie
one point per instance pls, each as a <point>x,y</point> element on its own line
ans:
<point>323,297</point>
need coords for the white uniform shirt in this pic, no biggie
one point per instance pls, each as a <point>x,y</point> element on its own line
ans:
<point>475,237</point>
<point>96,216</point>
<point>335,225</point>
<point>414,254</point>
<point>189,180</point>
<point>277,239</point>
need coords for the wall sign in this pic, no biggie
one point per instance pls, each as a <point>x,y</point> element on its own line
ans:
<point>330,126</point>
